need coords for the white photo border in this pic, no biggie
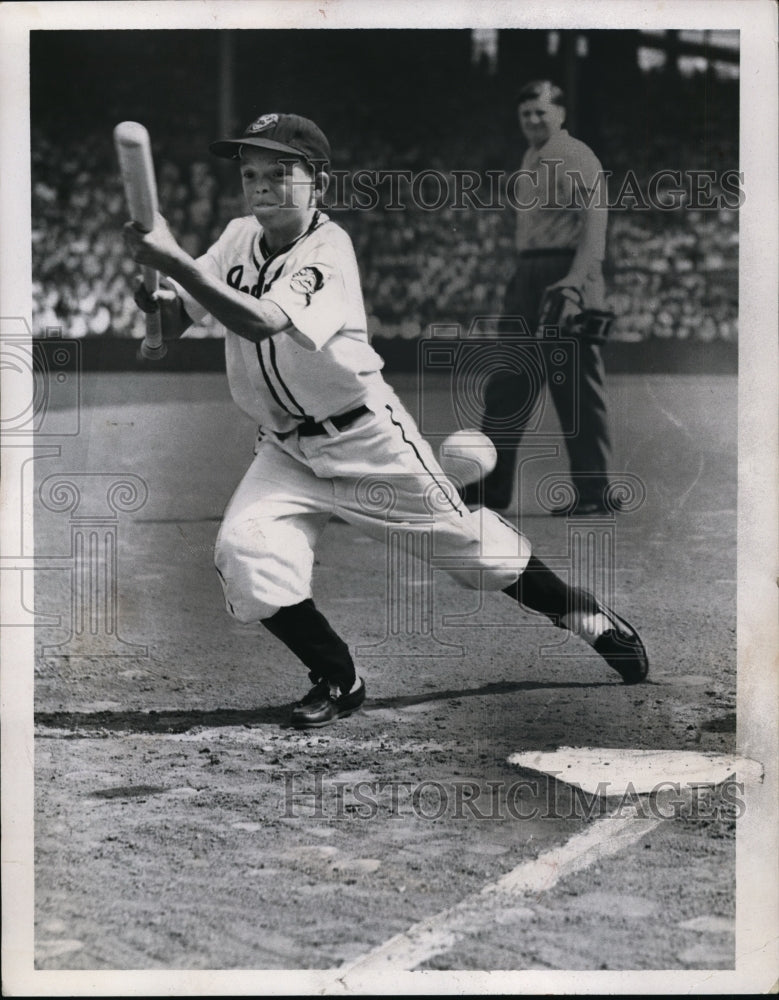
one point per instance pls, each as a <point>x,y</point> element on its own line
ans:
<point>758,444</point>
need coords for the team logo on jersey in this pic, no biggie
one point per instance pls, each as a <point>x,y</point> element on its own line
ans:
<point>307,281</point>
<point>263,122</point>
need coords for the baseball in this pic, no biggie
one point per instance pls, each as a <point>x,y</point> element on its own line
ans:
<point>467,456</point>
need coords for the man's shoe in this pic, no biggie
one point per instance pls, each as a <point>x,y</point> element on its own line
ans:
<point>621,647</point>
<point>323,705</point>
<point>588,508</point>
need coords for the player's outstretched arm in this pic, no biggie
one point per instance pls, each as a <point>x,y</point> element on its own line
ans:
<point>173,317</point>
<point>253,319</point>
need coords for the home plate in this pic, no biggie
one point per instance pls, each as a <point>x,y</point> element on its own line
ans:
<point>637,771</point>
<point>603,772</point>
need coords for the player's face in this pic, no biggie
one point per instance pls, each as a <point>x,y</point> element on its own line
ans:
<point>539,119</point>
<point>276,188</point>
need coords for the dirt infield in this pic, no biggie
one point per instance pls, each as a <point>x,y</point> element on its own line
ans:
<point>179,825</point>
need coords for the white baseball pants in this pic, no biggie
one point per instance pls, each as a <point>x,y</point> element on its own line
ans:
<point>378,474</point>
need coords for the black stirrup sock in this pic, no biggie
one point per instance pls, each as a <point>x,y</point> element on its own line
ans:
<point>542,590</point>
<point>305,630</point>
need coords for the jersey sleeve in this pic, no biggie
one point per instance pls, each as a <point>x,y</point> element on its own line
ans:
<point>313,295</point>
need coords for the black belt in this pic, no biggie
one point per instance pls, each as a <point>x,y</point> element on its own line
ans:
<point>310,427</point>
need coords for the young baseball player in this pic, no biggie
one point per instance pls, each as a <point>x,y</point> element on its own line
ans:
<point>283,281</point>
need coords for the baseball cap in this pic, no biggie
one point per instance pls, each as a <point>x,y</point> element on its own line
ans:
<point>285,133</point>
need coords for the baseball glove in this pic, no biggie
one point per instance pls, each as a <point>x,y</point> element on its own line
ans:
<point>563,308</point>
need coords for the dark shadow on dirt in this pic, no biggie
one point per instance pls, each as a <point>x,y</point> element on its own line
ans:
<point>180,720</point>
<point>722,724</point>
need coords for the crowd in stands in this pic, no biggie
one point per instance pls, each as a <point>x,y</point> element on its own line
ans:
<point>669,274</point>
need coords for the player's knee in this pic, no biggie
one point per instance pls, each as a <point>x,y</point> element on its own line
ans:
<point>257,545</point>
<point>500,555</point>
<point>262,567</point>
<point>249,612</point>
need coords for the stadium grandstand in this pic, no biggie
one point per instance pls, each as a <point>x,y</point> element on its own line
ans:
<point>433,105</point>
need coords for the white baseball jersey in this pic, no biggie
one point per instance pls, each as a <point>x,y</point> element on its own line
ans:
<point>322,364</point>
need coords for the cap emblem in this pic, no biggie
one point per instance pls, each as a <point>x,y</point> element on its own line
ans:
<point>263,122</point>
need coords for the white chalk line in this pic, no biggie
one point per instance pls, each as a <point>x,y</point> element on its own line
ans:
<point>439,933</point>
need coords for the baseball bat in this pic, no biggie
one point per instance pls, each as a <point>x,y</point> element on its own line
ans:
<point>133,148</point>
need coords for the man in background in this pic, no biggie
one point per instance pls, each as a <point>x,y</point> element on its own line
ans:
<point>561,241</point>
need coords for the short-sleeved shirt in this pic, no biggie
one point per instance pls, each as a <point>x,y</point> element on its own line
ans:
<point>563,170</point>
<point>322,364</point>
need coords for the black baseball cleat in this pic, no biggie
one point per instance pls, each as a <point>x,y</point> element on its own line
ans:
<point>323,705</point>
<point>621,647</point>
